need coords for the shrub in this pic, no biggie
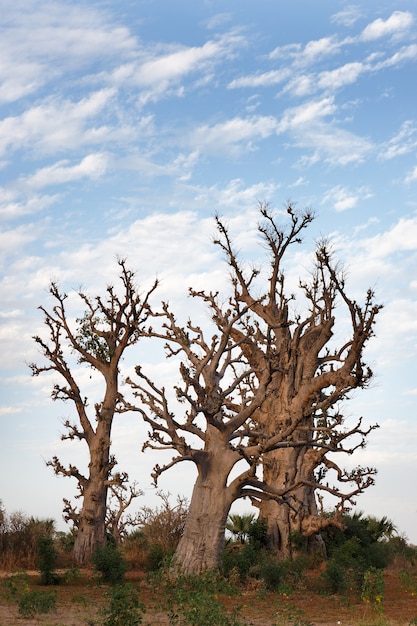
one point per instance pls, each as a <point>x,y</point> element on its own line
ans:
<point>240,559</point>
<point>33,602</point>
<point>258,534</point>
<point>373,587</point>
<point>47,556</point>
<point>192,600</point>
<point>110,563</point>
<point>272,572</point>
<point>155,557</point>
<point>124,608</point>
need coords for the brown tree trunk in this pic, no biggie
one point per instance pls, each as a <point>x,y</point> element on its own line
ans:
<point>200,548</point>
<point>281,469</point>
<point>91,531</point>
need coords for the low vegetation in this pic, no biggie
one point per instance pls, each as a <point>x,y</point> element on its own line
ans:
<point>252,585</point>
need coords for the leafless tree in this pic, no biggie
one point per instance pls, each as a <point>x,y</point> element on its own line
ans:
<point>311,377</point>
<point>122,494</point>
<point>258,398</point>
<point>98,340</point>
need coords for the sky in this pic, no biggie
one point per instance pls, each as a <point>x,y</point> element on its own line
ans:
<point>126,126</point>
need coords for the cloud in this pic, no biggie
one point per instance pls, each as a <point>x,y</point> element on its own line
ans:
<point>314,50</point>
<point>92,166</point>
<point>341,76</point>
<point>43,41</point>
<point>307,113</point>
<point>235,194</point>
<point>231,134</point>
<point>411,175</point>
<point>407,53</point>
<point>55,125</point>
<point>348,16</point>
<point>265,79</point>
<point>396,24</point>
<point>19,206</point>
<point>343,199</point>
<point>403,142</point>
<point>176,64</point>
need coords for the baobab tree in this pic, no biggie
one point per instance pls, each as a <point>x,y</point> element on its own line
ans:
<point>232,383</point>
<point>310,377</point>
<point>98,340</point>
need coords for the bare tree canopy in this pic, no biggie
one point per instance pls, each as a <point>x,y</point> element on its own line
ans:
<point>258,403</point>
<point>110,325</point>
<point>311,376</point>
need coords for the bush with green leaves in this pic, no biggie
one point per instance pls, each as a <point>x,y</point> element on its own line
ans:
<point>373,588</point>
<point>47,558</point>
<point>124,608</point>
<point>240,559</point>
<point>33,602</point>
<point>111,564</point>
<point>30,602</point>
<point>191,600</point>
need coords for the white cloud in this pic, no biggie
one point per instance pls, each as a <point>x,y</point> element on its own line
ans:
<point>312,52</point>
<point>42,41</point>
<point>54,125</point>
<point>228,135</point>
<point>396,24</point>
<point>335,145</point>
<point>403,142</point>
<point>20,206</point>
<point>348,16</point>
<point>9,410</point>
<point>265,79</point>
<point>307,113</point>
<point>411,175</point>
<point>343,199</point>
<point>92,166</point>
<point>407,53</point>
<point>341,76</point>
<point>176,64</point>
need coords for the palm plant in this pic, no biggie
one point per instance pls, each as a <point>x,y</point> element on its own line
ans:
<point>239,526</point>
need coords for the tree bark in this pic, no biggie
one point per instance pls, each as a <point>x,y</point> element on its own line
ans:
<point>91,531</point>
<point>202,543</point>
<point>282,469</point>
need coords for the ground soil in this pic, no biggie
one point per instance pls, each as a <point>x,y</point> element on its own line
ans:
<point>80,599</point>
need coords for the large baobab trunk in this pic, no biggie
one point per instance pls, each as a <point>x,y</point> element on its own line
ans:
<point>201,545</point>
<point>283,469</point>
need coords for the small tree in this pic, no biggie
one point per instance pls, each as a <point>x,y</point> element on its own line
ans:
<point>121,497</point>
<point>98,340</point>
<point>240,525</point>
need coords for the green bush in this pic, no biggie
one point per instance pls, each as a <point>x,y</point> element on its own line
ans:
<point>273,573</point>
<point>191,600</point>
<point>155,557</point>
<point>110,563</point>
<point>47,557</point>
<point>32,603</point>
<point>373,587</point>
<point>124,608</point>
<point>258,534</point>
<point>239,559</point>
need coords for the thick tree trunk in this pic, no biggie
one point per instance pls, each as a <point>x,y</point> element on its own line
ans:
<point>281,469</point>
<point>91,531</point>
<point>201,545</point>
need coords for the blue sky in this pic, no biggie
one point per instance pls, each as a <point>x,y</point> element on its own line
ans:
<point>125,126</point>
